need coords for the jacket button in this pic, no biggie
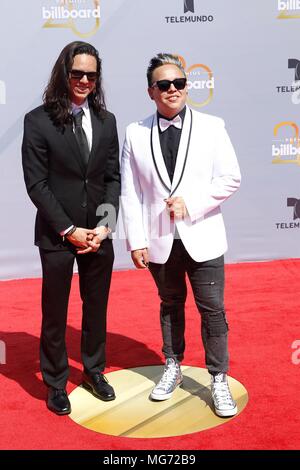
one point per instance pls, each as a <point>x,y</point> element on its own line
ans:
<point>84,204</point>
<point>86,181</point>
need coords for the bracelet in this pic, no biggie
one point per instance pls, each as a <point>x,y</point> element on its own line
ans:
<point>72,230</point>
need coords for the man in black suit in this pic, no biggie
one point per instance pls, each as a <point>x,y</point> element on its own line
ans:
<point>70,158</point>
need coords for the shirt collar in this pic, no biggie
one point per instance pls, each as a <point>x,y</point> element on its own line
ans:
<point>181,114</point>
<point>84,106</point>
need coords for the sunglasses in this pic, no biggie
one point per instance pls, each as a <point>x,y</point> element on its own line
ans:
<point>79,74</point>
<point>164,85</point>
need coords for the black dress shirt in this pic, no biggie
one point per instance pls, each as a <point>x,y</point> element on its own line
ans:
<point>169,143</point>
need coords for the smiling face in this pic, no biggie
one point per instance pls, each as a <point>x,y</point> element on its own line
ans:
<point>170,102</point>
<point>80,88</point>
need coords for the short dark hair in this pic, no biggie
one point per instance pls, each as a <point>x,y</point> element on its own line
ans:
<point>162,59</point>
<point>56,96</point>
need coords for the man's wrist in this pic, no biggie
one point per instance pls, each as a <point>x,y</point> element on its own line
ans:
<point>64,232</point>
<point>102,231</point>
<point>71,231</point>
<point>68,232</point>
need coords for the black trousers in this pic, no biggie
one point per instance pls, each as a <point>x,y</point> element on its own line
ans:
<point>207,281</point>
<point>95,271</point>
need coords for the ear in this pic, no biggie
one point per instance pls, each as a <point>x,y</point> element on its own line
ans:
<point>150,93</point>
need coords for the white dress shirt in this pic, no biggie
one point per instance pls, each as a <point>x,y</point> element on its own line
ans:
<point>86,121</point>
<point>87,127</point>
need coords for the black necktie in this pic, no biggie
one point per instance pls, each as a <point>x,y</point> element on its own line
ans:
<point>81,137</point>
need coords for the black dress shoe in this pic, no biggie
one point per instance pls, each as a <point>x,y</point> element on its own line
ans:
<point>58,401</point>
<point>98,385</point>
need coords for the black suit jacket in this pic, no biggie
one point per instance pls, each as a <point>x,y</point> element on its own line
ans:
<point>62,188</point>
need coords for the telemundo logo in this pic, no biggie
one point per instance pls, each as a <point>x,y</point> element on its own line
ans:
<point>287,225</point>
<point>2,92</point>
<point>188,6</point>
<point>294,86</point>
<point>295,204</point>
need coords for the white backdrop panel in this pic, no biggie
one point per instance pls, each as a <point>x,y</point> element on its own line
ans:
<point>240,48</point>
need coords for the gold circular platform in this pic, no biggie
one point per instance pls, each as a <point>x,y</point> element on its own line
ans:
<point>133,414</point>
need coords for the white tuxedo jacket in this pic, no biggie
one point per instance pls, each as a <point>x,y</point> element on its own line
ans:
<point>204,177</point>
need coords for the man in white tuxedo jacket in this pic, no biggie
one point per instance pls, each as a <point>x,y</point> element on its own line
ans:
<point>178,166</point>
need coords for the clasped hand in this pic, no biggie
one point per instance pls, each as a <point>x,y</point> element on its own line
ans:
<point>176,207</point>
<point>88,240</point>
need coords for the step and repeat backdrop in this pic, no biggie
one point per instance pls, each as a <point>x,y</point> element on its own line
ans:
<point>243,64</point>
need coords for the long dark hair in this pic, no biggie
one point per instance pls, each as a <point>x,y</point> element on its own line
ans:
<point>56,96</point>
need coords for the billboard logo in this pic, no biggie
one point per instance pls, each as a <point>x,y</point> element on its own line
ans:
<point>189,6</point>
<point>2,92</point>
<point>81,16</point>
<point>200,82</point>
<point>289,9</point>
<point>286,149</point>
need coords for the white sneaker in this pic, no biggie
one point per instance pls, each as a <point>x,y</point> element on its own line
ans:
<point>172,378</point>
<point>223,402</point>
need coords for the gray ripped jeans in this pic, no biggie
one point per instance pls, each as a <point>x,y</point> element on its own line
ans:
<point>207,281</point>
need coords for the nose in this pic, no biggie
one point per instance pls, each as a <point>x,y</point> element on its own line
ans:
<point>84,79</point>
<point>172,87</point>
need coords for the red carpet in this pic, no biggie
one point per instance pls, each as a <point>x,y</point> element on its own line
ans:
<point>263,310</point>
